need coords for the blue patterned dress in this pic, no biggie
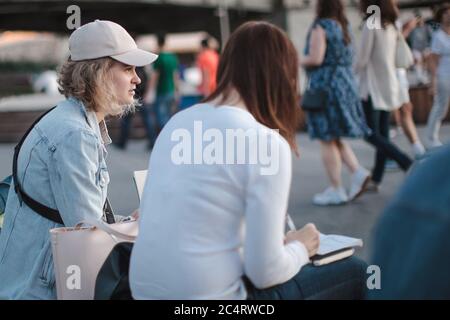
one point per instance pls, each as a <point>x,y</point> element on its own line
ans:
<point>343,116</point>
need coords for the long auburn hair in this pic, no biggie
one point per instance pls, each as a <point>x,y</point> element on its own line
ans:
<point>261,64</point>
<point>334,9</point>
<point>388,10</point>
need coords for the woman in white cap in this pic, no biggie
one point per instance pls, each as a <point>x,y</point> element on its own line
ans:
<point>61,176</point>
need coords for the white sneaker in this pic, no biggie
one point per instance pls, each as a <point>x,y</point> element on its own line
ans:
<point>418,149</point>
<point>433,143</point>
<point>331,196</point>
<point>359,179</point>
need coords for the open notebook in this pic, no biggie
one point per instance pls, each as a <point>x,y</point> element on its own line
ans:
<point>332,247</point>
<point>139,180</point>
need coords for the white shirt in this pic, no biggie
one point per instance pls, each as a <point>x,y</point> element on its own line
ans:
<point>203,226</point>
<point>376,69</point>
<point>440,45</point>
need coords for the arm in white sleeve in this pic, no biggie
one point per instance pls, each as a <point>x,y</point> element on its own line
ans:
<point>79,192</point>
<point>365,49</point>
<point>267,260</point>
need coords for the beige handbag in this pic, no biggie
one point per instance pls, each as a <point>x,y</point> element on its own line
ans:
<point>80,251</point>
<point>403,55</point>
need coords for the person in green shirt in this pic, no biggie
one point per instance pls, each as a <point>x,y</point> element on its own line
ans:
<point>164,83</point>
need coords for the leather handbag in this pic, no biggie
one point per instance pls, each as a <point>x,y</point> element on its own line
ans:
<point>79,252</point>
<point>314,100</point>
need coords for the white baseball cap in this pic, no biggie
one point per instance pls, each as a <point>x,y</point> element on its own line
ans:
<point>103,38</point>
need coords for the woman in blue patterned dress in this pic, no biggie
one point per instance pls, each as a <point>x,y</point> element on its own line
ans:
<point>329,66</point>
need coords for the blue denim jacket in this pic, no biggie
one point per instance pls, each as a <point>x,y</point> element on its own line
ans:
<point>61,165</point>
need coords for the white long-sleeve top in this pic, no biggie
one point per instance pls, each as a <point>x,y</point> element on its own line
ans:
<point>203,226</point>
<point>375,65</point>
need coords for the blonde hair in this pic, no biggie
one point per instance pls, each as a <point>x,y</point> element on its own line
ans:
<point>90,81</point>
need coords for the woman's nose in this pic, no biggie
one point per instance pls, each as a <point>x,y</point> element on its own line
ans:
<point>136,79</point>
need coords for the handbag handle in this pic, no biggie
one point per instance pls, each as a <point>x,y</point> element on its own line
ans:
<point>106,228</point>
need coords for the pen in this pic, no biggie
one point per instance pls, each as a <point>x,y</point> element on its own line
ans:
<point>290,223</point>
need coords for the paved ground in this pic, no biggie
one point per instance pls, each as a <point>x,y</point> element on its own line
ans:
<point>356,219</point>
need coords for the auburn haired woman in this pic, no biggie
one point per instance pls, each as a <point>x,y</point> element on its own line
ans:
<point>213,221</point>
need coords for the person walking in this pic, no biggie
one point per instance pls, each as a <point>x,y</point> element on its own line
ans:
<point>164,86</point>
<point>328,61</point>
<point>144,111</point>
<point>207,62</point>
<point>379,86</point>
<point>440,79</point>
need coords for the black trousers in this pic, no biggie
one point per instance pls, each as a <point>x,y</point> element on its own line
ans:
<point>378,122</point>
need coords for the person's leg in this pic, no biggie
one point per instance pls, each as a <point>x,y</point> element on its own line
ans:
<point>373,121</point>
<point>332,161</point>
<point>165,107</point>
<point>379,142</point>
<point>406,121</point>
<point>340,280</point>
<point>409,128</point>
<point>348,156</point>
<point>125,124</point>
<point>438,112</point>
<point>149,128</point>
<point>360,176</point>
<point>159,112</point>
<point>380,157</point>
<point>398,124</point>
<point>369,114</point>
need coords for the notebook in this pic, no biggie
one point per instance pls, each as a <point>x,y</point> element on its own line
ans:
<point>139,178</point>
<point>334,247</point>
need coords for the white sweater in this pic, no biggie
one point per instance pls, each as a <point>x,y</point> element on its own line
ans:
<point>375,65</point>
<point>203,226</point>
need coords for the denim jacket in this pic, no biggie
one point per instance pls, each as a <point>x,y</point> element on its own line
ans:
<point>61,165</point>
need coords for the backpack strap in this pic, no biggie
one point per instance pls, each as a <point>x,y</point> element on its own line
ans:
<point>39,208</point>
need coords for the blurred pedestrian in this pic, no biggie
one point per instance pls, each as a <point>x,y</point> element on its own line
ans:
<point>378,83</point>
<point>164,84</point>
<point>144,111</point>
<point>404,115</point>
<point>440,79</point>
<point>207,62</point>
<point>328,62</point>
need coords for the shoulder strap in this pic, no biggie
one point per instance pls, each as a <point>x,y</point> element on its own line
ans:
<point>39,208</point>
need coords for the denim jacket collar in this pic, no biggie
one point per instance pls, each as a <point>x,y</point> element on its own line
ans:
<point>91,118</point>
